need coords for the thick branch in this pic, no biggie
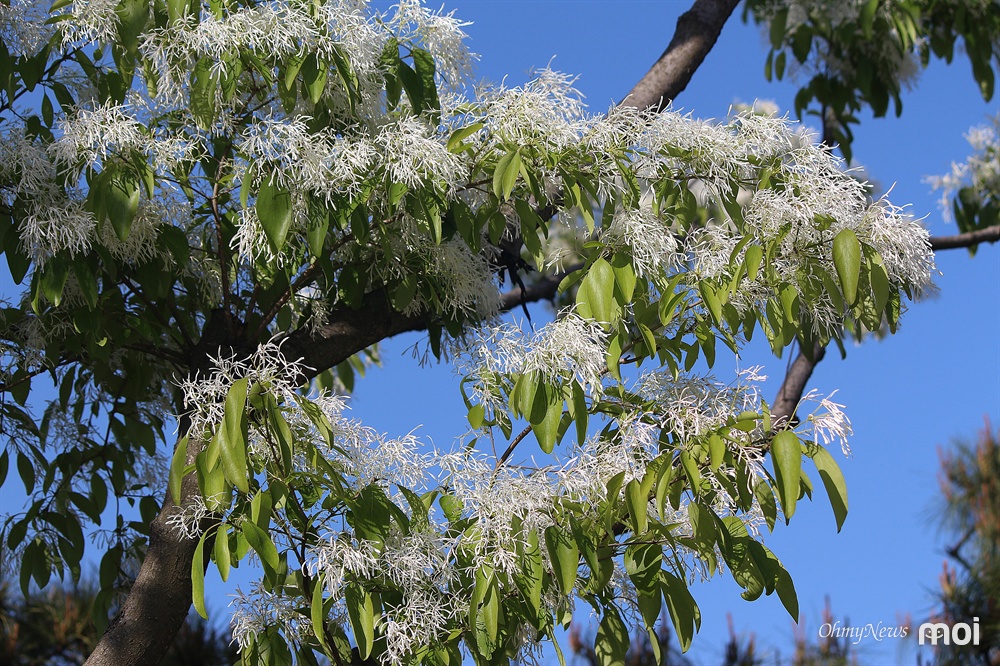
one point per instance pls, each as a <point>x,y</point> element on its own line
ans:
<point>783,409</point>
<point>968,239</point>
<point>348,332</point>
<point>696,33</point>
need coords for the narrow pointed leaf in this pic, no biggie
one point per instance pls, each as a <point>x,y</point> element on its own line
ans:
<point>274,210</point>
<point>787,454</point>
<point>198,578</point>
<point>833,480</point>
<point>847,260</point>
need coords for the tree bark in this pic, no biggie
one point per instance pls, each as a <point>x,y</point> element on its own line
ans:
<point>696,33</point>
<point>159,599</point>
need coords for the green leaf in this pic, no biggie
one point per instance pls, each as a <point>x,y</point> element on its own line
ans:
<point>530,578</point>
<point>316,613</point>
<point>361,612</point>
<point>683,610</point>
<point>642,564</point>
<point>198,577</point>
<point>505,175</point>
<point>580,413</point>
<point>274,210</point>
<point>624,277</point>
<point>546,430</point>
<point>314,74</point>
<point>476,415</point>
<point>612,641</point>
<point>177,464</point>
<point>121,196</point>
<point>26,471</point>
<point>596,296</point>
<point>564,555</point>
<point>412,85</point>
<point>636,501</point>
<point>53,279</point>
<point>203,93</point>
<point>777,31</point>
<point>423,63</point>
<point>833,480</point>
<point>847,260</point>
<point>787,454</point>
<point>220,553</point>
<point>234,444</point>
<point>711,299</point>
<point>456,140</point>
<point>86,278</point>
<point>867,18</point>
<point>261,542</point>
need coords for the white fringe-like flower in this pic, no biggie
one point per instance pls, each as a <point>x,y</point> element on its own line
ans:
<point>413,154</point>
<point>439,33</point>
<point>204,397</point>
<point>91,22</point>
<point>23,26</point>
<point>260,609</point>
<point>91,135</point>
<point>649,239</point>
<point>55,227</point>
<point>828,422</point>
<point>569,345</point>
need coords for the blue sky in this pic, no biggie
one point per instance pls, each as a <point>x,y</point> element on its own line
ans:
<point>907,395</point>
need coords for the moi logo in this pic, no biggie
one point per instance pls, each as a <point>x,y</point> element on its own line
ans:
<point>960,633</point>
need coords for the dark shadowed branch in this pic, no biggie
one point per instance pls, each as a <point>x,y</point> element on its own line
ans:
<point>968,239</point>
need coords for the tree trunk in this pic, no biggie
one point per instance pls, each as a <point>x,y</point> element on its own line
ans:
<point>159,599</point>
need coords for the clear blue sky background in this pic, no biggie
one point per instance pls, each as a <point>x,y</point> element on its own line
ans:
<point>907,395</point>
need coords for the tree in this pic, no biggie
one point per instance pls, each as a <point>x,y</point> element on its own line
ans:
<point>215,207</point>
<point>970,511</point>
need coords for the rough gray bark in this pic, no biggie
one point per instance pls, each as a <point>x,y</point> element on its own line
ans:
<point>158,602</point>
<point>696,33</point>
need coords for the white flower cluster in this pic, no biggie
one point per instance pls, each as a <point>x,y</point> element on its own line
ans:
<point>464,282</point>
<point>23,26</point>
<point>439,33</point>
<point>318,162</point>
<point>91,22</point>
<point>415,154</point>
<point>205,397</point>
<point>828,421</point>
<point>815,186</point>
<point>260,609</point>
<point>649,239</point>
<point>980,171</point>
<point>419,563</point>
<point>94,134</point>
<point>570,347</point>
<point>691,406</point>
<point>547,110</point>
